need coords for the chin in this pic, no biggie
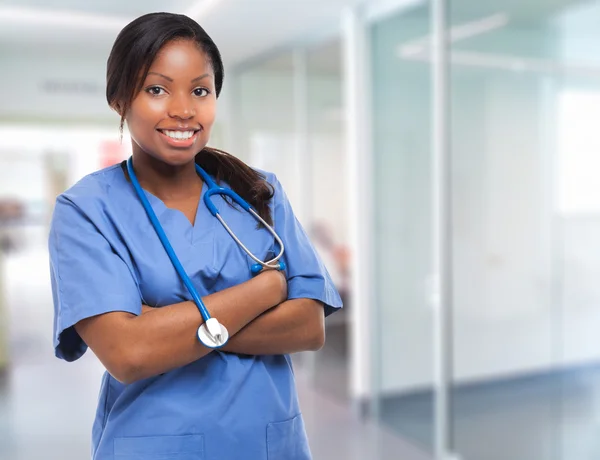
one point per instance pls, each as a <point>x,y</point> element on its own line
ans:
<point>171,156</point>
<point>177,158</point>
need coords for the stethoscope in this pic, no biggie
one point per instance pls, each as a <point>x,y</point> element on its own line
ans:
<point>211,333</point>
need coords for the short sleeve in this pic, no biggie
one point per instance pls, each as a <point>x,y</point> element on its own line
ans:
<point>88,278</point>
<point>307,275</point>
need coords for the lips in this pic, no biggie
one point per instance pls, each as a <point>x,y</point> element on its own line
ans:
<point>179,137</point>
<point>180,134</point>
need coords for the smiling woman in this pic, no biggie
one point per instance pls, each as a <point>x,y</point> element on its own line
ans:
<point>171,118</point>
<point>116,289</point>
<point>165,87</point>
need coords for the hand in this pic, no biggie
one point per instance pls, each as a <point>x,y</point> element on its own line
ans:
<point>275,284</point>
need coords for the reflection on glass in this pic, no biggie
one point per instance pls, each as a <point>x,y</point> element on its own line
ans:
<point>402,163</point>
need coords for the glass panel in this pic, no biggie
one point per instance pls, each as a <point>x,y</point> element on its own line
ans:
<point>402,156</point>
<point>326,189</point>
<point>526,223</point>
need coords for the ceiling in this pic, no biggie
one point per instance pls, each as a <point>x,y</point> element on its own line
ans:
<point>245,29</point>
<point>241,28</point>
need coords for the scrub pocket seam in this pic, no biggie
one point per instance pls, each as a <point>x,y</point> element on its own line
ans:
<point>274,424</point>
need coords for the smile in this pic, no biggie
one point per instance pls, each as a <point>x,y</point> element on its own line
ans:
<point>178,134</point>
<point>179,138</point>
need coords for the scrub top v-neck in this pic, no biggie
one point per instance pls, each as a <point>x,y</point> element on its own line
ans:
<point>105,256</point>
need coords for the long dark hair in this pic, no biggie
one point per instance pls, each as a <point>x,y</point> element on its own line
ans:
<point>130,59</point>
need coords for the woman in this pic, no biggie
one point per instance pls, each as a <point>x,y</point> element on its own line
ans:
<point>165,395</point>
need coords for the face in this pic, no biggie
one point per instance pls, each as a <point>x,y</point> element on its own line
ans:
<point>171,118</point>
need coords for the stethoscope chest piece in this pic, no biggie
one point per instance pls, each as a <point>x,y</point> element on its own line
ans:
<point>213,334</point>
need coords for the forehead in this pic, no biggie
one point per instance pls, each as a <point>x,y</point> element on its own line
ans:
<point>180,57</point>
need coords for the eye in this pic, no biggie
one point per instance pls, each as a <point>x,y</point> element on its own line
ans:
<point>201,92</point>
<point>155,90</point>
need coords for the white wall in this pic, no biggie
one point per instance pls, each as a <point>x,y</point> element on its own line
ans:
<point>53,86</point>
<point>504,315</point>
<point>524,295</point>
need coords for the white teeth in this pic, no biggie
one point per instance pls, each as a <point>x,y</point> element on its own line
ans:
<point>182,135</point>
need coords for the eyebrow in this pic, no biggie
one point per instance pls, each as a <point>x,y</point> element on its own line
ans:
<point>171,80</point>
<point>201,77</point>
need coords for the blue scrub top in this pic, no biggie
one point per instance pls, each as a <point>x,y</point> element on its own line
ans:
<point>105,256</point>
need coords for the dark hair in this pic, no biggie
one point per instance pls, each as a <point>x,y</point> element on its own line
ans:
<point>130,59</point>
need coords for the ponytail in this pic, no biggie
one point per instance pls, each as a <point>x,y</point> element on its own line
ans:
<point>243,180</point>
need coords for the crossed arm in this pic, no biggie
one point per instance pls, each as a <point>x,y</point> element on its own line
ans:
<point>256,313</point>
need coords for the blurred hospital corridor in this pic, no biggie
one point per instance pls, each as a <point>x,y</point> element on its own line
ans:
<point>441,161</point>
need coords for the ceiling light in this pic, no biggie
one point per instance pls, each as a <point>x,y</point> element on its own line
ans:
<point>201,8</point>
<point>457,33</point>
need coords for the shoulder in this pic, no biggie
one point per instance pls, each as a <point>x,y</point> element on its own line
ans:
<point>271,178</point>
<point>89,195</point>
<point>268,176</point>
<point>92,188</point>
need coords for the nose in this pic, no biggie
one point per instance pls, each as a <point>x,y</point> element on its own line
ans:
<point>182,107</point>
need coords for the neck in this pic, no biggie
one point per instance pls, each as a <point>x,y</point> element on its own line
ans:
<point>166,182</point>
